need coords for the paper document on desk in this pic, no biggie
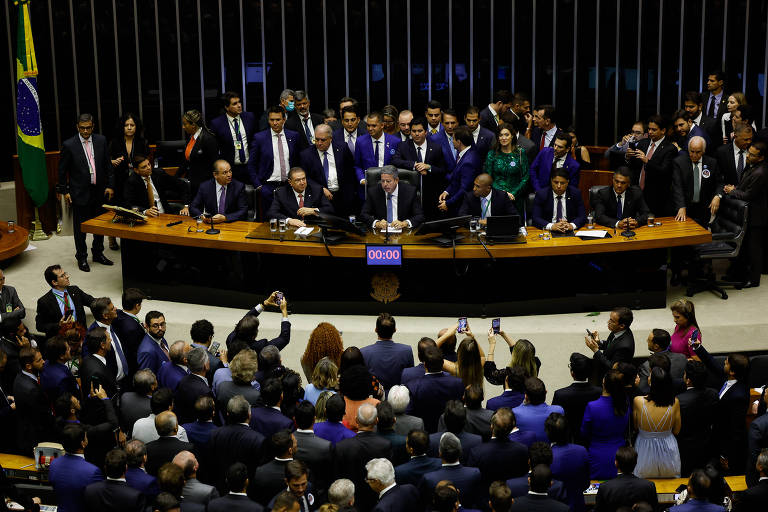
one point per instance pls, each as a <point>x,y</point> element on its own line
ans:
<point>304,231</point>
<point>592,233</point>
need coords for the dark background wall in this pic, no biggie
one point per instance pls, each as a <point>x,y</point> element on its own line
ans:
<point>602,63</point>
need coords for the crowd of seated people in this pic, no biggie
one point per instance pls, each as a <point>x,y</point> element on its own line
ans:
<point>148,423</point>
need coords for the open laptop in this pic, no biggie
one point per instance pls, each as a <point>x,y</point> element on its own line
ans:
<point>503,228</point>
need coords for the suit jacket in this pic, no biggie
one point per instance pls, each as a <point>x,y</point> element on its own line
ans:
<point>364,153</point>
<point>536,503</point>
<point>198,492</point>
<point>408,208</point>
<point>430,393</point>
<point>406,154</point>
<point>519,487</point>
<point>634,206</point>
<point>441,139</point>
<point>234,503</point>
<point>340,135</point>
<point>405,423</point>
<point>484,141</point>
<point>697,506</point>
<point>682,182</point>
<point>574,399</point>
<point>169,375</point>
<point>501,204</point>
<point>487,120</point>
<point>163,450</point>
<point>142,482</point>
<point>261,160</point>
<point>461,177</point>
<point>523,437</point>
<point>499,459</point>
<point>751,499</point>
<point>220,128</point>
<point>230,444</point>
<point>113,495</point>
<point>91,368</point>
<point>199,433</point>
<point>625,490</point>
<point>33,413</point>
<point>468,481</point>
<point>726,164</point>
<point>622,349</point>
<point>387,359</point>
<point>752,189</point>
<point>695,131</point>
<point>541,169</point>
<point>714,133</point>
<point>56,379</point>
<point>235,207</point>
<point>532,417</point>
<point>10,299</point>
<point>414,372</point>
<point>135,190</point>
<point>70,475</point>
<point>191,387</point>
<point>757,440</point>
<point>570,465</point>
<point>130,332</point>
<point>75,174</point>
<point>268,421</point>
<point>412,471</point>
<point>268,480</point>
<point>317,454</point>
<point>199,167</point>
<point>537,133</point>
<point>285,204</point>
<point>295,123</point>
<point>468,442</point>
<point>697,415</point>
<point>150,355</point>
<point>543,207</point>
<point>309,160</point>
<point>658,174</point>
<point>351,456</point>
<point>677,370</point>
<point>48,312</point>
<point>509,398</point>
<point>400,498</point>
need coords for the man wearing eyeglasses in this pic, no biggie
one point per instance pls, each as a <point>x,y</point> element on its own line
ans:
<point>62,304</point>
<point>153,350</point>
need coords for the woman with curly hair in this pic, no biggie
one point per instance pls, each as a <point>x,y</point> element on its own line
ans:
<point>325,341</point>
<point>324,378</point>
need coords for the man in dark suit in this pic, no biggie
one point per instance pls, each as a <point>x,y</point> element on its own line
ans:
<point>490,115</point>
<point>468,481</point>
<point>694,105</point>
<point>621,204</point>
<point>374,149</point>
<point>193,386</point>
<point>385,358</point>
<point>620,345</point>
<point>626,489</point>
<point>514,391</point>
<point>33,410</point>
<point>467,166</point>
<point>393,497</point>
<point>417,371</point>
<point>280,341</point>
<point>575,397</point>
<point>698,405</point>
<point>168,445</point>
<point>757,442</point>
<point>485,201</point>
<point>520,111</point>
<point>685,130</point>
<point>314,451</point>
<point>94,370</point>
<point>433,112</point>
<point>153,350</point>
<point>455,419</point>
<point>330,164</point>
<point>483,137</point>
<point>234,129</point>
<point>431,391</point>
<point>651,164</point>
<point>128,326</point>
<point>698,495</point>
<point>423,155</point>
<point>559,207</point>
<point>658,345</point>
<point>222,197</point>
<point>135,475</point>
<point>695,180</point>
<point>500,458</point>
<point>269,478</point>
<point>754,497</point>
<point>558,156</point>
<point>538,453</point>
<point>70,474</point>
<point>537,499</point>
<point>416,444</point>
<point>732,158</point>
<point>56,377</point>
<point>201,150</point>
<point>11,308</point>
<point>300,200</point>
<point>273,153</point>
<point>392,204</point>
<point>236,500</point>
<point>715,103</point>
<point>60,303</point>
<point>752,188</point>
<point>350,128</point>
<point>268,419</point>
<point>146,182</point>
<point>114,493</point>
<point>544,128</point>
<point>302,121</point>
<point>86,181</point>
<point>171,373</point>
<point>104,313</point>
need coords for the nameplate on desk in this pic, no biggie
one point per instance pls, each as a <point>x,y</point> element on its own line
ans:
<point>592,234</point>
<point>389,255</point>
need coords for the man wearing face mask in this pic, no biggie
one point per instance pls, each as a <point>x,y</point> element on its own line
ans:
<point>303,121</point>
<point>286,101</point>
<point>555,157</point>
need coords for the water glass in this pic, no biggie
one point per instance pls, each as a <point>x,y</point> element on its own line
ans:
<point>651,220</point>
<point>281,224</point>
<point>352,219</point>
<point>11,226</point>
<point>273,225</point>
<point>547,234</point>
<point>591,221</point>
<point>199,221</point>
<point>473,222</point>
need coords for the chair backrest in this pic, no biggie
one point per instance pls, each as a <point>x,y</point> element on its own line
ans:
<point>373,177</point>
<point>593,190</point>
<point>250,198</point>
<point>729,228</point>
<point>529,209</point>
<point>758,371</point>
<point>176,203</point>
<point>170,153</point>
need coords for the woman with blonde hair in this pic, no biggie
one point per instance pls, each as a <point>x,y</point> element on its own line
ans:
<point>686,327</point>
<point>324,378</point>
<point>243,367</point>
<point>735,100</point>
<point>522,355</point>
<point>324,341</point>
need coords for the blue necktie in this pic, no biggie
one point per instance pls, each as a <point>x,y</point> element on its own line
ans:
<point>559,208</point>
<point>483,206</point>
<point>307,131</point>
<point>722,388</point>
<point>389,208</point>
<point>618,208</point>
<point>119,351</point>
<point>376,152</point>
<point>418,154</point>
<point>239,139</point>
<point>453,148</point>
<point>325,165</point>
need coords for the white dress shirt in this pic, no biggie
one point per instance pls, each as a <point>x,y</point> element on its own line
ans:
<point>276,176</point>
<point>549,135</point>
<point>554,212</point>
<point>88,149</point>
<point>115,341</point>
<point>423,151</point>
<point>158,203</point>
<point>243,138</point>
<point>736,151</point>
<point>382,148</point>
<point>394,207</point>
<point>333,177</point>
<point>476,133</point>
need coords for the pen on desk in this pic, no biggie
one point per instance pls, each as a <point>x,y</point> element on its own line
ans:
<point>173,223</point>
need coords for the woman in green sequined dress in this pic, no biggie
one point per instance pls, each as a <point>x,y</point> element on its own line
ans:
<point>508,166</point>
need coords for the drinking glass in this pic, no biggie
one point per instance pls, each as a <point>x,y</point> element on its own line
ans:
<point>273,225</point>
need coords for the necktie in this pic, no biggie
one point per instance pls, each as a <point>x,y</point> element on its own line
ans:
<point>307,131</point>
<point>223,200</point>
<point>190,145</point>
<point>496,118</point>
<point>720,393</point>
<point>67,306</point>
<point>281,156</point>
<point>325,165</point>
<point>164,346</point>
<point>418,154</point>
<point>89,154</point>
<point>711,109</point>
<point>376,153</point>
<point>458,157</point>
<point>543,140</point>
<point>608,341</point>
<point>239,138</point>
<point>619,209</point>
<point>740,167</point>
<point>119,351</point>
<point>696,183</point>
<point>150,192</point>
<point>301,200</point>
<point>433,131</point>
<point>642,172</point>
<point>453,148</point>
<point>389,208</point>
<point>559,208</point>
<point>483,207</point>
<point>351,142</point>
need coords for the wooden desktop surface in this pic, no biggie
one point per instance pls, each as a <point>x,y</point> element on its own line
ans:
<point>14,243</point>
<point>232,238</point>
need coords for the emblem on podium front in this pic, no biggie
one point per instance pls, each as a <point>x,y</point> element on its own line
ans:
<point>385,287</point>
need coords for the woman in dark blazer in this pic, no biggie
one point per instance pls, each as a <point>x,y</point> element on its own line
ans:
<point>201,150</point>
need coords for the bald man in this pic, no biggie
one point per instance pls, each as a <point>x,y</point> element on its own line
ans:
<point>194,490</point>
<point>484,201</point>
<point>168,445</point>
<point>404,124</point>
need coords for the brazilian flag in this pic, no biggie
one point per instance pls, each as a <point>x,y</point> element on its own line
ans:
<point>29,127</point>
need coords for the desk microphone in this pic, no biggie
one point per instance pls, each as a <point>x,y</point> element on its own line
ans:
<point>212,230</point>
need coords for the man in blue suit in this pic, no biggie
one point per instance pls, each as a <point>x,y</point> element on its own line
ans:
<point>56,378</point>
<point>570,462</point>
<point>455,419</point>
<point>136,476</point>
<point>171,372</point>
<point>193,386</point>
<point>431,391</point>
<point>268,419</point>
<point>386,359</point>
<point>500,458</point>
<point>114,493</point>
<point>698,493</point>
<point>559,207</point>
<point>414,372</point>
<point>273,153</point>
<point>153,351</point>
<point>222,197</point>
<point>513,394</point>
<point>70,474</point>
<point>467,481</point>
<point>468,166</point>
<point>532,414</point>
<point>393,497</point>
<point>330,164</point>
<point>483,137</point>
<point>350,129</point>
<point>420,463</point>
<point>444,138</point>
<point>374,149</point>
<point>234,129</point>
<point>128,326</point>
<point>685,129</point>
<point>555,157</point>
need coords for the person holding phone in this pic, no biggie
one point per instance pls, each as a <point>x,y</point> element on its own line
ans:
<point>686,328</point>
<point>620,344</point>
<point>470,356</point>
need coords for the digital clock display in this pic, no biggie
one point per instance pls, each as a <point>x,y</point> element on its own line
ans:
<point>391,255</point>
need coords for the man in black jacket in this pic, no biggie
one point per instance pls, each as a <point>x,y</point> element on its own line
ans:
<point>695,180</point>
<point>148,190</point>
<point>620,345</point>
<point>626,489</point>
<point>299,201</point>
<point>574,398</point>
<point>621,203</point>
<point>62,303</point>
<point>697,413</point>
<point>651,164</point>
<point>392,203</point>
<point>485,201</point>
<point>33,411</point>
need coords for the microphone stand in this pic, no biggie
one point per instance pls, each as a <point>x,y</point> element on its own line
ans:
<point>212,230</point>
<point>628,231</point>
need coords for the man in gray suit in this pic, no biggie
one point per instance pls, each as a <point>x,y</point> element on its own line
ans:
<point>314,451</point>
<point>11,308</point>
<point>194,490</point>
<point>658,343</point>
<point>399,397</point>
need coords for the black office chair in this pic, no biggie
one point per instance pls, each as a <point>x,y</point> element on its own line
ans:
<point>170,153</point>
<point>758,371</point>
<point>728,231</point>
<point>176,203</point>
<point>250,197</point>
<point>529,209</point>
<point>373,177</point>
<point>593,190</point>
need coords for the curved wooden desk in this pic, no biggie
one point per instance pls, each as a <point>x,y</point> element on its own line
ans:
<point>14,243</point>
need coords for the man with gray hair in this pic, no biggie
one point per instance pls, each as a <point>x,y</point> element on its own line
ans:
<point>330,164</point>
<point>352,454</point>
<point>392,497</point>
<point>168,445</point>
<point>134,404</point>
<point>302,121</point>
<point>136,476</point>
<point>286,101</point>
<point>695,180</point>
<point>342,493</point>
<point>399,397</point>
<point>393,204</point>
<point>301,199</point>
<point>757,493</point>
<point>193,386</point>
<point>468,481</point>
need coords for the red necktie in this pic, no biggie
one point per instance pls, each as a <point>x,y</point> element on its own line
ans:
<point>543,140</point>
<point>301,200</point>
